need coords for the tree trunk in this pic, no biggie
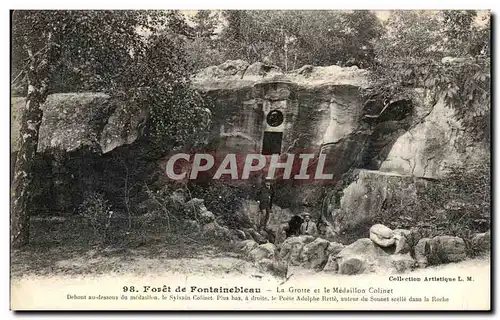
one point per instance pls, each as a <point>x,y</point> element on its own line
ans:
<point>41,67</point>
<point>23,171</point>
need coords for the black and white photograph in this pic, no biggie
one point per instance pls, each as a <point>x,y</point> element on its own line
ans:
<point>250,159</point>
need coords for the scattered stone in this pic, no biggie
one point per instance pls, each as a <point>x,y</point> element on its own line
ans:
<point>214,230</point>
<point>352,266</point>
<point>400,236</point>
<point>255,235</point>
<point>481,242</point>
<point>314,255</point>
<point>246,246</point>
<point>363,250</point>
<point>331,265</point>
<point>292,247</point>
<point>421,253</point>
<point>262,251</point>
<point>449,249</point>
<point>382,235</point>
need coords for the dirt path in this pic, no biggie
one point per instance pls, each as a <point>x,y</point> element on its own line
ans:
<point>50,291</point>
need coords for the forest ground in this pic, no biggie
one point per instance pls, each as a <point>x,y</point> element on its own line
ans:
<point>67,248</point>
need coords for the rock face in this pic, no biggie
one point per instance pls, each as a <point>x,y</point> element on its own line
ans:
<point>433,146</point>
<point>321,108</point>
<point>73,120</point>
<point>366,195</point>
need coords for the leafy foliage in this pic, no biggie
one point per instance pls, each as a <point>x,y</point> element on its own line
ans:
<point>458,205</point>
<point>96,46</point>
<point>96,209</point>
<point>446,53</point>
<point>291,38</point>
<point>224,201</point>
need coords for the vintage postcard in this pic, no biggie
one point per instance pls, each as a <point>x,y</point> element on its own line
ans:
<point>250,160</point>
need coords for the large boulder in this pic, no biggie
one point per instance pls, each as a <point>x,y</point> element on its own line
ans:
<point>449,249</point>
<point>314,255</point>
<point>481,243</point>
<point>331,264</point>
<point>291,249</point>
<point>364,256</point>
<point>276,267</point>
<point>334,248</point>
<point>439,250</point>
<point>401,263</point>
<point>382,235</point>
<point>74,120</point>
<point>359,257</point>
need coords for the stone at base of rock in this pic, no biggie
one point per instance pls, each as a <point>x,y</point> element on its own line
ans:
<point>314,255</point>
<point>481,243</point>
<point>292,248</point>
<point>352,266</point>
<point>266,250</point>
<point>382,235</point>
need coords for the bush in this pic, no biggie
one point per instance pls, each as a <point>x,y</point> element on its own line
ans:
<point>161,209</point>
<point>224,201</point>
<point>96,209</point>
<point>458,205</point>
